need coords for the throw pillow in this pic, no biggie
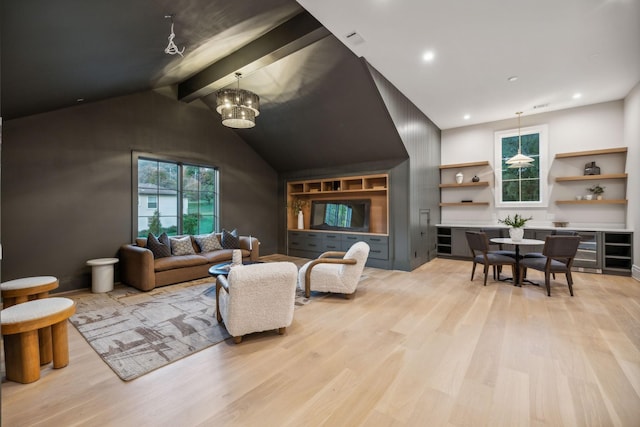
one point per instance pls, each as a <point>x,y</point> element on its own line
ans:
<point>159,245</point>
<point>230,239</point>
<point>182,246</point>
<point>208,242</point>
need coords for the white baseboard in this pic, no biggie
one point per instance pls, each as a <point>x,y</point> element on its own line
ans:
<point>635,272</point>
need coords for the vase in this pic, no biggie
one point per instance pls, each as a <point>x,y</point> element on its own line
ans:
<point>300,221</point>
<point>459,177</point>
<point>599,197</point>
<point>516,233</point>
<point>475,178</point>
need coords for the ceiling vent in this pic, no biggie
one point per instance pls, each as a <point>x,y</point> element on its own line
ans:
<point>354,38</point>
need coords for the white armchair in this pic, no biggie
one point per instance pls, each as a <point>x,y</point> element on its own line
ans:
<point>256,297</point>
<point>328,273</point>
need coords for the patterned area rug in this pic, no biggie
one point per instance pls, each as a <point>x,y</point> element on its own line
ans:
<point>137,332</point>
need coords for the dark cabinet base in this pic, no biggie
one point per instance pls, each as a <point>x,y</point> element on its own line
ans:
<point>310,244</point>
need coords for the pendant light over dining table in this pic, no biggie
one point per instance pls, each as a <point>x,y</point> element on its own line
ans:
<point>238,108</point>
<point>519,160</point>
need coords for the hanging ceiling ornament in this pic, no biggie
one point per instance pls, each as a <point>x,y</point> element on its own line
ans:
<point>519,160</point>
<point>238,107</point>
<point>171,48</point>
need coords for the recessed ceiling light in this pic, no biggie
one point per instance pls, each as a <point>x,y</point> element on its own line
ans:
<point>80,100</point>
<point>577,95</point>
<point>512,78</point>
<point>467,116</point>
<point>428,56</point>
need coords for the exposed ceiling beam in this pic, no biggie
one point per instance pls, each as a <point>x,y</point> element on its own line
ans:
<point>289,37</point>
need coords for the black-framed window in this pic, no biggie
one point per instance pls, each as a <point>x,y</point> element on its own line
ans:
<point>174,196</point>
<point>526,187</point>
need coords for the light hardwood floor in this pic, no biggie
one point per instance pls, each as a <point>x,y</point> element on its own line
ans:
<point>425,348</point>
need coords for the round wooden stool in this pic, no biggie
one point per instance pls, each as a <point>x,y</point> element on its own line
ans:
<point>29,288</point>
<point>20,325</point>
<point>22,290</point>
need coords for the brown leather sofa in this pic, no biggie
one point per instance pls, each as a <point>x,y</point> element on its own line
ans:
<point>139,269</point>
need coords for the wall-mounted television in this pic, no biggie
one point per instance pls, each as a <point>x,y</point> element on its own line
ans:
<point>340,215</point>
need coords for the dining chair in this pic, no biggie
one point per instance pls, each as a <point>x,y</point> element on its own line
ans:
<point>498,248</point>
<point>558,254</point>
<point>553,233</point>
<point>479,245</point>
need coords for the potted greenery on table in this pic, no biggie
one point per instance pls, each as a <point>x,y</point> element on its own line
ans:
<point>516,224</point>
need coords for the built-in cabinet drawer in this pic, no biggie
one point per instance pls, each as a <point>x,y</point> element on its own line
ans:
<point>311,244</point>
<point>331,242</point>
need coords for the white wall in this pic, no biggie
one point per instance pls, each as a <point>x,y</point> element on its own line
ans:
<point>632,138</point>
<point>592,127</point>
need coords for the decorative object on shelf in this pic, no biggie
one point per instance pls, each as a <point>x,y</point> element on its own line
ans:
<point>238,107</point>
<point>519,160</point>
<point>171,48</point>
<point>597,191</point>
<point>475,179</point>
<point>578,197</point>
<point>516,224</point>
<point>296,206</point>
<point>459,177</point>
<point>588,196</point>
<point>591,169</point>
<point>560,224</point>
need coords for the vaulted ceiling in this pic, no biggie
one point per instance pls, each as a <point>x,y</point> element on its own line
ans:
<point>57,53</point>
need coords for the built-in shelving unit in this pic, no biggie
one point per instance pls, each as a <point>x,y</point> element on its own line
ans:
<point>372,187</point>
<point>465,204</point>
<point>621,176</point>
<point>618,253</point>
<point>619,150</point>
<point>452,185</point>
<point>592,202</point>
<point>592,177</point>
<point>310,243</point>
<point>465,165</point>
<point>466,184</point>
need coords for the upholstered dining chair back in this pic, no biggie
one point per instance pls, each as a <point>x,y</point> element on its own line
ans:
<point>553,233</point>
<point>561,247</point>
<point>257,297</point>
<point>498,248</point>
<point>478,242</point>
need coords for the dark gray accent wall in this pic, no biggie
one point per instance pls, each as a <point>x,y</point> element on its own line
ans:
<point>320,110</point>
<point>412,168</point>
<point>421,138</point>
<point>66,180</point>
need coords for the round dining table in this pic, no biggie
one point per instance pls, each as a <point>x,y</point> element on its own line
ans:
<point>517,244</point>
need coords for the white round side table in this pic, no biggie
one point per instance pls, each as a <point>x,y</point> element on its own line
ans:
<point>102,274</point>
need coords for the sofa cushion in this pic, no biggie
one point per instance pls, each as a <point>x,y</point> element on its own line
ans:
<point>230,239</point>
<point>216,257</point>
<point>208,242</point>
<point>160,246</point>
<point>182,246</point>
<point>170,263</point>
